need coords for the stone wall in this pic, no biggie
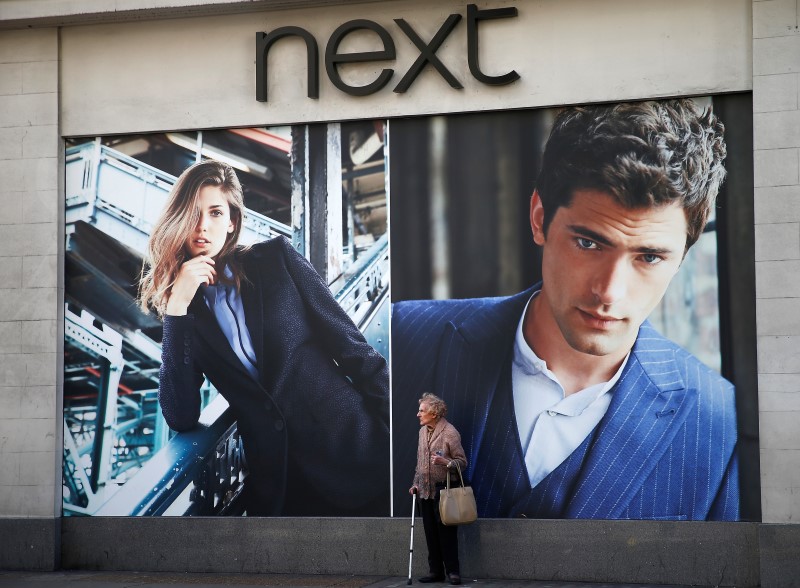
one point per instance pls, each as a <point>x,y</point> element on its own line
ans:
<point>29,268</point>
<point>776,138</point>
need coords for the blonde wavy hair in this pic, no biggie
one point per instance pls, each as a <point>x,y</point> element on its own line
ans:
<point>166,248</point>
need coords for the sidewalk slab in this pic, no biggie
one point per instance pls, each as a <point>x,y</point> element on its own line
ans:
<point>86,579</point>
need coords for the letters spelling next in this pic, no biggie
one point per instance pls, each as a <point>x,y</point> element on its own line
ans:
<point>427,53</point>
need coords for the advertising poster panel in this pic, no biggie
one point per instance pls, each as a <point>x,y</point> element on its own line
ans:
<point>555,283</point>
<point>226,323</point>
<point>276,403</point>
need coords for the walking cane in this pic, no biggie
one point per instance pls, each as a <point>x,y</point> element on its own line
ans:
<point>411,547</point>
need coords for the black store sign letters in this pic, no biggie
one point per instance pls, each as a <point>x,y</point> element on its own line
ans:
<point>427,54</point>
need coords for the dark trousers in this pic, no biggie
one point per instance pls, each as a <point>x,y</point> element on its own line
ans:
<point>442,540</point>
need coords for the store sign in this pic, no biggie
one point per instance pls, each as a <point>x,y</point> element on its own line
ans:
<point>427,54</point>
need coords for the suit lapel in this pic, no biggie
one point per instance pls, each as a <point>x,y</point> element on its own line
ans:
<point>208,329</point>
<point>252,300</point>
<point>472,357</point>
<point>648,407</point>
<point>501,475</point>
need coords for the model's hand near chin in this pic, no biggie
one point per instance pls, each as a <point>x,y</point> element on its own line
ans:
<point>193,273</point>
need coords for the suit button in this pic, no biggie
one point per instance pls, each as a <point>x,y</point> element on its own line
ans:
<point>186,360</point>
<point>279,425</point>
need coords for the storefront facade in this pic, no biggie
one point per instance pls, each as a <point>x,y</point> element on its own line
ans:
<point>82,73</point>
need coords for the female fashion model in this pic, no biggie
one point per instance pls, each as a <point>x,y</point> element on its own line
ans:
<point>309,394</point>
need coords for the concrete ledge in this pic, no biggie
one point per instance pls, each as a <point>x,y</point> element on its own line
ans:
<point>248,545</point>
<point>711,554</point>
<point>635,552</point>
<point>780,555</point>
<point>29,544</point>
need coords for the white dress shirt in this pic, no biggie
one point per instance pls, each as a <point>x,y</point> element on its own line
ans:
<point>551,425</point>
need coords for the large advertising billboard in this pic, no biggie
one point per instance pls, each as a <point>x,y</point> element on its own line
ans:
<point>558,289</point>
<point>226,337</point>
<point>555,283</point>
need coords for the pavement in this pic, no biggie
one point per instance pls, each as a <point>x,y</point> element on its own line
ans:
<point>86,579</point>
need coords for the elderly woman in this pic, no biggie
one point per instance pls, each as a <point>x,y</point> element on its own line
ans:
<point>439,450</point>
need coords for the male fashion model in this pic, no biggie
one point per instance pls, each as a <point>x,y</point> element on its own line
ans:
<point>569,403</point>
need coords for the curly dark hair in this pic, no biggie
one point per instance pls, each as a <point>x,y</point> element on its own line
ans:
<point>644,154</point>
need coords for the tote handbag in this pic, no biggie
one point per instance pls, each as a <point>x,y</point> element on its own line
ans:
<point>457,505</point>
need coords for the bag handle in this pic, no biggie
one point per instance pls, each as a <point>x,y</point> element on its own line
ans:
<point>458,467</point>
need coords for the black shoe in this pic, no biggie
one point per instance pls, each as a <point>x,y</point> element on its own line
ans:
<point>455,579</point>
<point>430,578</point>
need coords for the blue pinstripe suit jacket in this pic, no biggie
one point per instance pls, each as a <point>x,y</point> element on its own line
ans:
<point>666,448</point>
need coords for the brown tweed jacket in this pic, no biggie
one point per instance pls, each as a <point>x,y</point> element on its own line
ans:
<point>446,439</point>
